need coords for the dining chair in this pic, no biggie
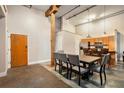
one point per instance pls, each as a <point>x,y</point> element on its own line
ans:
<point>64,63</point>
<point>57,61</point>
<point>101,68</point>
<point>75,67</point>
<point>94,52</point>
<point>104,50</point>
<point>86,51</point>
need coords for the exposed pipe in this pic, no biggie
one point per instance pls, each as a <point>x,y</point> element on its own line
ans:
<point>104,20</point>
<point>1,16</point>
<point>69,32</point>
<point>81,12</point>
<point>107,16</point>
<point>28,6</point>
<point>70,10</point>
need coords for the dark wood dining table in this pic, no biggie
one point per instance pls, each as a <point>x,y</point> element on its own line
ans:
<point>89,60</point>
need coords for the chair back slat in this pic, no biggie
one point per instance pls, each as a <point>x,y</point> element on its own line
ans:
<point>74,59</point>
<point>105,59</point>
<point>56,55</point>
<point>108,58</point>
<point>63,58</point>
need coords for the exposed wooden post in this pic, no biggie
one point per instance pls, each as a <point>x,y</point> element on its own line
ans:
<point>51,12</point>
<point>52,38</point>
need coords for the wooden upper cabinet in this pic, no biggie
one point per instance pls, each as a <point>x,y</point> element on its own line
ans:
<point>105,40</point>
<point>91,40</point>
<point>109,41</point>
<point>84,40</point>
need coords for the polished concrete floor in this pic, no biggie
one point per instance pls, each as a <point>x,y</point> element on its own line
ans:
<point>43,76</point>
<point>115,78</point>
<point>33,76</point>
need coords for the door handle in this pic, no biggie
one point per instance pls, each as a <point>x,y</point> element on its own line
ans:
<point>26,46</point>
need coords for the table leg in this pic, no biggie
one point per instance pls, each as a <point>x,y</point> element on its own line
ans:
<point>91,72</point>
<point>84,65</point>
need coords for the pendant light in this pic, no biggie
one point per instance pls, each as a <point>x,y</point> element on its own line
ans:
<point>104,22</point>
<point>88,25</point>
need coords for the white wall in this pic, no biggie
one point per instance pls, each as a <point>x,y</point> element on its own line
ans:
<point>67,26</point>
<point>36,26</point>
<point>59,41</point>
<point>66,39</point>
<point>77,43</point>
<point>58,24</point>
<point>68,42</point>
<point>71,42</point>
<point>2,47</point>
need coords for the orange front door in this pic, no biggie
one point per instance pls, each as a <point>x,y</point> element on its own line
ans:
<point>18,50</point>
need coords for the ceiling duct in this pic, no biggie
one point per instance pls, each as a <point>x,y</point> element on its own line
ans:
<point>70,10</point>
<point>28,6</point>
<point>1,16</point>
<point>81,12</point>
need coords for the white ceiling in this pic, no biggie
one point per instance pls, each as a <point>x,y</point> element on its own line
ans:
<point>94,13</point>
<point>41,7</point>
<point>77,10</point>
<point>63,9</point>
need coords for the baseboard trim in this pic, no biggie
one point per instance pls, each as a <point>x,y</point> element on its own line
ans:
<point>38,62</point>
<point>9,66</point>
<point>2,74</point>
<point>34,62</point>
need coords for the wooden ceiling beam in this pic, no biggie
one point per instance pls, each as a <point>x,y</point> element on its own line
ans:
<point>52,9</point>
